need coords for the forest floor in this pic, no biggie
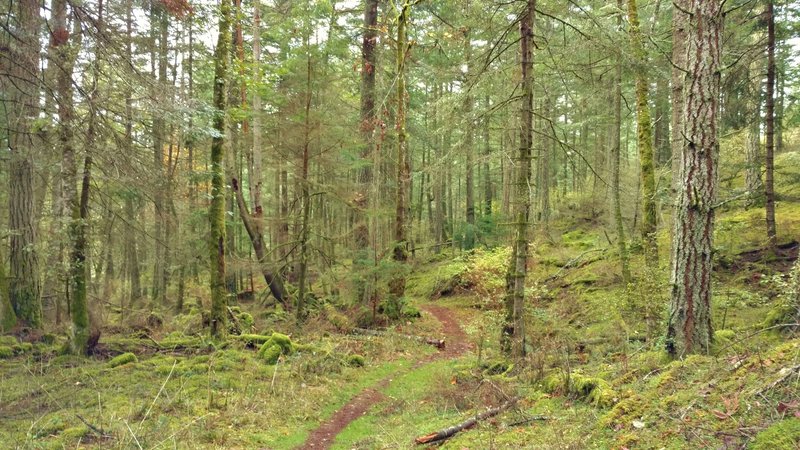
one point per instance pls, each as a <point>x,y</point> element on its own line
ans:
<point>596,375</point>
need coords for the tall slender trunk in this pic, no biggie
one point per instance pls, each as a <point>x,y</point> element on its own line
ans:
<point>305,199</point>
<point>513,338</point>
<point>689,325</point>
<point>400,254</point>
<point>216,210</point>
<point>769,156</point>
<point>753,183</point>
<point>487,153</point>
<point>679,24</point>
<point>644,129</point>
<point>469,152</point>
<point>616,142</point>
<point>364,289</point>
<point>159,27</point>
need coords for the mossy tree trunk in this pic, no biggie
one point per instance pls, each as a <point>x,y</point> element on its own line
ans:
<point>753,183</point>
<point>469,152</point>
<point>22,88</point>
<point>644,130</point>
<point>513,338</point>
<point>689,324</point>
<point>397,286</point>
<point>7,316</point>
<point>616,146</point>
<point>216,210</point>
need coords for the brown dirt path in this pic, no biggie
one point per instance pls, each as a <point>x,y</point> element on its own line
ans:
<point>456,344</point>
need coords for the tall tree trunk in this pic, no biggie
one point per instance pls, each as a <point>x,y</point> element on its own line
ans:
<point>661,125</point>
<point>753,183</point>
<point>689,325</point>
<point>513,338</point>
<point>769,157</point>
<point>677,79</point>
<point>364,289</point>
<point>22,88</point>
<point>159,30</point>
<point>400,254</point>
<point>305,199</point>
<point>616,143</point>
<point>644,129</point>
<point>469,236</point>
<point>216,210</point>
<point>487,153</point>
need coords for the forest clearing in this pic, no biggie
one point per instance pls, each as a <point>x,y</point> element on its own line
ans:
<point>372,224</point>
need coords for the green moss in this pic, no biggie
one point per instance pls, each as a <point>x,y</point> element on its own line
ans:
<point>6,352</point>
<point>271,354</point>
<point>594,390</point>
<point>23,347</point>
<point>253,339</point>
<point>8,340</point>
<point>122,359</point>
<point>783,435</point>
<point>724,335</point>
<point>624,412</point>
<point>48,338</point>
<point>356,361</point>
<point>497,367</point>
<point>75,433</point>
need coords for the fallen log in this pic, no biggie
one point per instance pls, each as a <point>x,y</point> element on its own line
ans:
<point>438,343</point>
<point>449,432</point>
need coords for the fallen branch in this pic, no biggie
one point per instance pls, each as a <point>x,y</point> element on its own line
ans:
<point>527,421</point>
<point>789,372</point>
<point>447,433</point>
<point>95,430</point>
<point>438,343</point>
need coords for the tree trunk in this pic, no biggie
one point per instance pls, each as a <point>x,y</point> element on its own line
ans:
<point>469,235</point>
<point>487,153</point>
<point>689,325</point>
<point>644,129</point>
<point>753,183</point>
<point>216,210</point>
<point>616,143</point>
<point>361,260</point>
<point>513,338</point>
<point>397,285</point>
<point>769,157</point>
<point>22,88</point>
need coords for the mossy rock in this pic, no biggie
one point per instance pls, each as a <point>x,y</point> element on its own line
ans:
<point>356,361</point>
<point>278,344</point>
<point>724,336</point>
<point>122,359</point>
<point>783,435</point>
<point>246,321</point>
<point>6,352</point>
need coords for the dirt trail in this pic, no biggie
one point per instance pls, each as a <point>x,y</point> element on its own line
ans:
<point>456,344</point>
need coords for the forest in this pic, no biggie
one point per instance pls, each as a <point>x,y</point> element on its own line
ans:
<point>363,224</point>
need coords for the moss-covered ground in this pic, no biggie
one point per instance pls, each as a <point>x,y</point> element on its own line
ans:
<point>595,376</point>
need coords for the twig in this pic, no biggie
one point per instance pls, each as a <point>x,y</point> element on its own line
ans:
<point>157,395</point>
<point>789,372</point>
<point>274,373</point>
<point>96,430</point>
<point>134,436</point>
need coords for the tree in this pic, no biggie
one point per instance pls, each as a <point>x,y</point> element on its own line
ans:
<point>689,324</point>
<point>514,329</point>
<point>400,253</point>
<point>644,133</point>
<point>216,210</point>
<point>769,153</point>
<point>364,173</point>
<point>22,87</point>
<point>616,145</point>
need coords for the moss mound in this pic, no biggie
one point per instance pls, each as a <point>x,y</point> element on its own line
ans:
<point>278,344</point>
<point>6,352</point>
<point>122,359</point>
<point>783,435</point>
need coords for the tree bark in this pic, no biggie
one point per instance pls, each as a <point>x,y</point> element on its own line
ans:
<point>216,210</point>
<point>361,202</point>
<point>513,334</point>
<point>644,129</point>
<point>753,183</point>
<point>23,90</point>
<point>616,144</point>
<point>769,157</point>
<point>689,324</point>
<point>397,285</point>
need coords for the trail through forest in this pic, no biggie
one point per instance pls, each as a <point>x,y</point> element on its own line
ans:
<point>456,344</point>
